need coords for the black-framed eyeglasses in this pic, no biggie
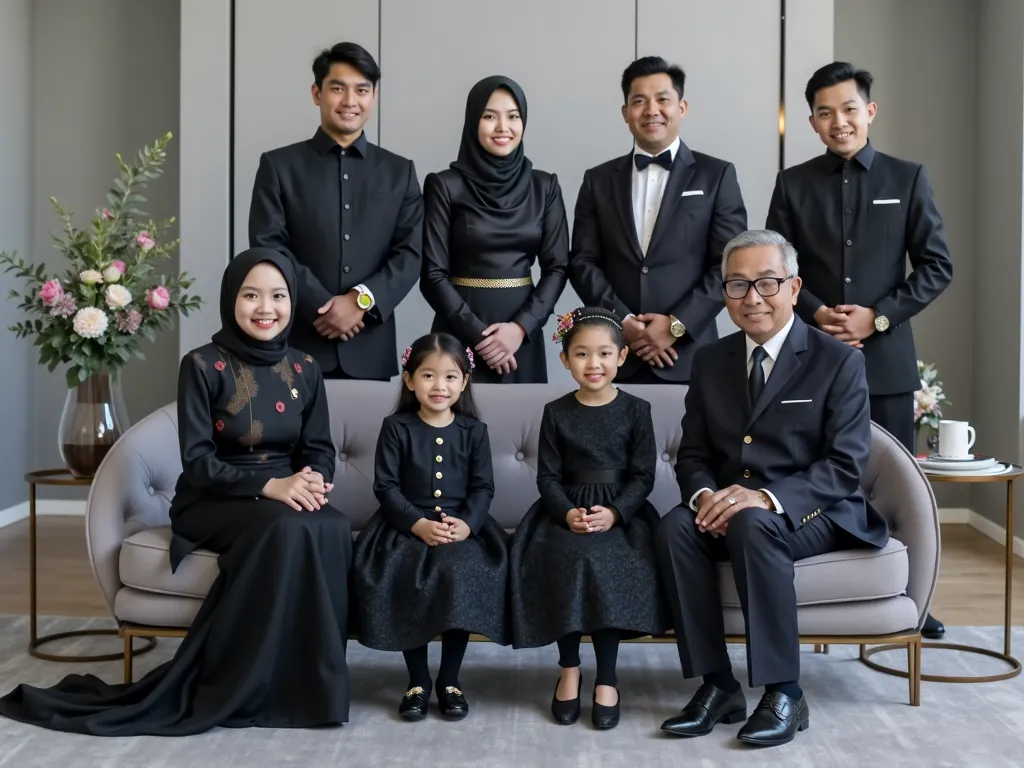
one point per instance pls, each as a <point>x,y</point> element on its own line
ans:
<point>765,286</point>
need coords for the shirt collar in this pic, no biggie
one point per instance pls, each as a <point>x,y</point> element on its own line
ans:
<point>673,148</point>
<point>774,345</point>
<point>863,158</point>
<point>323,143</point>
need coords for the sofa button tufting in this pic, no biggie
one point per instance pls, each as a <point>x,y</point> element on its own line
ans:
<point>520,456</point>
<point>665,456</point>
<point>342,457</point>
<point>151,490</point>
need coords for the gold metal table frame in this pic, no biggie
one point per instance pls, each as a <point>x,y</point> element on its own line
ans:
<point>59,477</point>
<point>1015,666</point>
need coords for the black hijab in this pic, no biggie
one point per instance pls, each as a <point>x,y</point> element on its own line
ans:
<point>496,182</point>
<point>231,336</point>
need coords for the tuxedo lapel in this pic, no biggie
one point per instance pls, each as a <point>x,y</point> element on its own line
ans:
<point>783,369</point>
<point>678,178</point>
<point>623,182</point>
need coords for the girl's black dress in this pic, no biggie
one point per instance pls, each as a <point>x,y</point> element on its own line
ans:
<point>407,592</point>
<point>562,581</point>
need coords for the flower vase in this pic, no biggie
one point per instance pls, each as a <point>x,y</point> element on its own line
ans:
<point>94,417</point>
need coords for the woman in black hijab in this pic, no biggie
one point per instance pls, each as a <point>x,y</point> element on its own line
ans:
<point>487,219</point>
<point>267,647</point>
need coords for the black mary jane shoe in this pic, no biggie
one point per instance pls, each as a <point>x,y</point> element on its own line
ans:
<point>452,703</point>
<point>414,704</point>
<point>776,720</point>
<point>604,717</point>
<point>566,712</point>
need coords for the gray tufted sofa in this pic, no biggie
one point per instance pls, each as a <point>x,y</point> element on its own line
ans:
<point>854,597</point>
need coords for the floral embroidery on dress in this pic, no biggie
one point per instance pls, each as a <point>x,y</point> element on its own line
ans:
<point>285,371</point>
<point>254,436</point>
<point>279,407</point>
<point>198,360</point>
<point>219,425</point>
<point>246,388</point>
<point>219,365</point>
<point>298,368</point>
<point>264,458</point>
<point>307,358</point>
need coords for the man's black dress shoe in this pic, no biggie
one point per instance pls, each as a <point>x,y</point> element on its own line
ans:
<point>933,629</point>
<point>708,707</point>
<point>452,703</point>
<point>604,717</point>
<point>776,720</point>
<point>414,703</point>
<point>566,712</point>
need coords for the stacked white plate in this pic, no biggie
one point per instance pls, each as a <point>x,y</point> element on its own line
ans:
<point>936,464</point>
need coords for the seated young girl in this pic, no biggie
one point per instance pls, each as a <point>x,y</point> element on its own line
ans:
<point>432,561</point>
<point>267,647</point>
<point>583,558</point>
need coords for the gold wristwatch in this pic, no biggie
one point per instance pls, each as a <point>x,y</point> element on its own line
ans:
<point>881,323</point>
<point>676,328</point>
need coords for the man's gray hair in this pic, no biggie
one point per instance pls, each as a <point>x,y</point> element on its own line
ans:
<point>754,238</point>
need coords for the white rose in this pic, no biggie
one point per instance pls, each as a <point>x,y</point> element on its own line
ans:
<point>90,277</point>
<point>925,400</point>
<point>90,322</point>
<point>118,296</point>
<point>112,274</point>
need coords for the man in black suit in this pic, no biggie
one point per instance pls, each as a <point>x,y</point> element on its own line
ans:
<point>350,215</point>
<point>776,436</point>
<point>854,214</point>
<point>649,230</point>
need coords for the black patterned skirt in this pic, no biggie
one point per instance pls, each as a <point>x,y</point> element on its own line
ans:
<point>564,582</point>
<point>407,593</point>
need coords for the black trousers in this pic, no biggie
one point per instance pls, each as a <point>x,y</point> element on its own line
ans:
<point>896,414</point>
<point>762,547</point>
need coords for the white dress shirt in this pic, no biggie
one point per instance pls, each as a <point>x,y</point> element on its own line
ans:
<point>773,347</point>
<point>648,190</point>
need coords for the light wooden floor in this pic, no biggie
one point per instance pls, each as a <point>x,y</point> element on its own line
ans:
<point>970,584</point>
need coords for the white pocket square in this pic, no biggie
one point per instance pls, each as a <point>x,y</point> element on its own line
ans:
<point>787,402</point>
<point>690,192</point>
<point>887,201</point>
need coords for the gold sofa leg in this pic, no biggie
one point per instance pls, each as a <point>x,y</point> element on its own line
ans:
<point>127,655</point>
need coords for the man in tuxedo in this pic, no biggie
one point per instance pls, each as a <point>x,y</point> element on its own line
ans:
<point>854,214</point>
<point>776,436</point>
<point>350,215</point>
<point>649,230</point>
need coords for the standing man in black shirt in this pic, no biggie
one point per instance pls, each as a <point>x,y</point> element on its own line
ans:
<point>854,215</point>
<point>350,215</point>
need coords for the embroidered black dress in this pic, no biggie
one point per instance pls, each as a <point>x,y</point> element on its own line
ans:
<point>562,581</point>
<point>268,645</point>
<point>407,592</point>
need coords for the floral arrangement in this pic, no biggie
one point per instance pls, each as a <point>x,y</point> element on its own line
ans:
<point>469,355</point>
<point>929,398</point>
<point>92,316</point>
<point>565,323</point>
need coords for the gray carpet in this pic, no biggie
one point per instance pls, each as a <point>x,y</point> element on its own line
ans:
<point>858,717</point>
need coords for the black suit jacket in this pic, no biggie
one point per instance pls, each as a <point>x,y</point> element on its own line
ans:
<point>806,440</point>
<point>345,218</point>
<point>681,272</point>
<point>853,224</point>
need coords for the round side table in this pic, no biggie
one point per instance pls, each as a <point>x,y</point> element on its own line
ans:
<point>65,478</point>
<point>1015,666</point>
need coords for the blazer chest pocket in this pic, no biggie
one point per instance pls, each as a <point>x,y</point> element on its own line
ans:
<point>795,407</point>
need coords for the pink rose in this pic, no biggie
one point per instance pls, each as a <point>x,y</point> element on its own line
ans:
<point>51,292</point>
<point>107,213</point>
<point>144,241</point>
<point>158,298</point>
<point>119,265</point>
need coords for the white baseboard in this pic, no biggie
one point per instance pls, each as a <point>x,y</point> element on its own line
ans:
<point>995,532</point>
<point>961,515</point>
<point>43,507</point>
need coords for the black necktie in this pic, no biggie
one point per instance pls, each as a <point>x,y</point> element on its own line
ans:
<point>664,160</point>
<point>756,380</point>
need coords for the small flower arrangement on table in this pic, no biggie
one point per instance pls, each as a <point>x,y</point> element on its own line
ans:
<point>928,400</point>
<point>92,316</point>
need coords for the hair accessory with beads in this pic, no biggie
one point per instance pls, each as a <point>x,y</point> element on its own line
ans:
<point>405,356</point>
<point>472,361</point>
<point>565,323</point>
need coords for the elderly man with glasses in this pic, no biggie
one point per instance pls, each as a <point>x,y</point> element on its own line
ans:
<point>776,436</point>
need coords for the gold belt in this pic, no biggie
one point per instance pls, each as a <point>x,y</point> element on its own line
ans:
<point>492,282</point>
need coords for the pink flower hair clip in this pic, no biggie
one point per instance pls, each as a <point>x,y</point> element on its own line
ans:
<point>405,356</point>
<point>472,360</point>
<point>565,323</point>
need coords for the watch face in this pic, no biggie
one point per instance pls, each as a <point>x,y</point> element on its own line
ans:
<point>881,323</point>
<point>363,301</point>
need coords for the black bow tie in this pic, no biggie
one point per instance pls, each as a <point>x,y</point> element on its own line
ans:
<point>664,160</point>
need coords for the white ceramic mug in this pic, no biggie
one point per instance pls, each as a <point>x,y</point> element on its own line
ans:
<point>955,438</point>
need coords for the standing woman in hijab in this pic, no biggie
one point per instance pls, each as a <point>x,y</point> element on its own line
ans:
<point>267,647</point>
<point>487,218</point>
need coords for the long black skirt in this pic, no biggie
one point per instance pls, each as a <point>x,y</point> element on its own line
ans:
<point>267,647</point>
<point>500,305</point>
<point>564,582</point>
<point>408,593</point>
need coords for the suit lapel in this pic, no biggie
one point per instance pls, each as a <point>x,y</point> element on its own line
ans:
<point>736,390</point>
<point>678,178</point>
<point>624,203</point>
<point>783,369</point>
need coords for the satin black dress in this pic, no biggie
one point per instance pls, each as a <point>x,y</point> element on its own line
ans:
<point>562,581</point>
<point>463,239</point>
<point>267,647</point>
<point>407,592</point>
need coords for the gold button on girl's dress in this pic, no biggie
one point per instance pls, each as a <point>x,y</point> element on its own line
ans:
<point>438,475</point>
<point>438,458</point>
<point>440,441</point>
<point>437,492</point>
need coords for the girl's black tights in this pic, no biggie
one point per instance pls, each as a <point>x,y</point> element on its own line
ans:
<point>453,649</point>
<point>606,649</point>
